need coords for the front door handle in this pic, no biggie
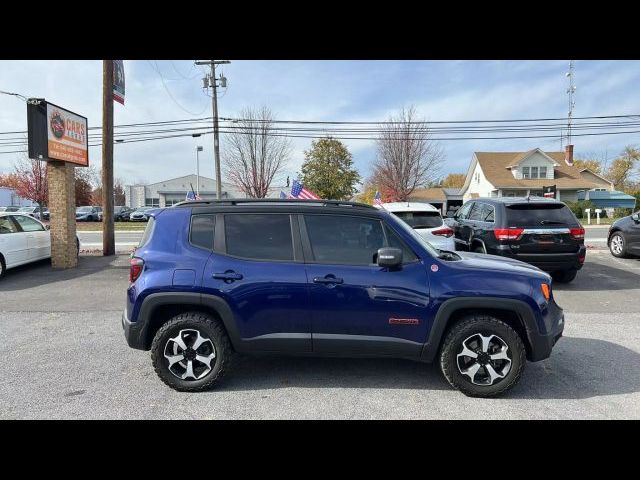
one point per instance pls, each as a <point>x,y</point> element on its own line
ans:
<point>228,276</point>
<point>328,280</point>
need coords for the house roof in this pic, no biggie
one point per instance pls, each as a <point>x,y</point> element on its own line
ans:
<point>495,166</point>
<point>436,194</point>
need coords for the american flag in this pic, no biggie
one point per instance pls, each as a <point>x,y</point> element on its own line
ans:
<point>377,198</point>
<point>283,195</point>
<point>191,196</point>
<point>299,192</point>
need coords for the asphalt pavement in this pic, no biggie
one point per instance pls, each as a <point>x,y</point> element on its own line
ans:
<point>65,356</point>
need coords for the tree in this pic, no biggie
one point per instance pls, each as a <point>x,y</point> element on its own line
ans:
<point>30,177</point>
<point>454,180</point>
<point>622,170</point>
<point>118,193</point>
<point>593,165</point>
<point>9,180</point>
<point>83,186</point>
<point>406,157</point>
<point>328,170</point>
<point>253,155</point>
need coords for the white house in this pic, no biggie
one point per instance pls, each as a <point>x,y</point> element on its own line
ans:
<point>519,174</point>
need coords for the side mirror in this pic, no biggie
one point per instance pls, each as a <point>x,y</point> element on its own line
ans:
<point>636,217</point>
<point>389,257</point>
<point>47,227</point>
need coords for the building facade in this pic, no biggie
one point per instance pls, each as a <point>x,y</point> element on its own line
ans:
<point>445,199</point>
<point>9,198</point>
<point>520,174</point>
<point>172,191</point>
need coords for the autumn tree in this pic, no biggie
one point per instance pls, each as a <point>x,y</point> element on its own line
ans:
<point>253,153</point>
<point>84,180</point>
<point>593,165</point>
<point>30,181</point>
<point>328,170</point>
<point>624,169</point>
<point>454,180</point>
<point>406,157</point>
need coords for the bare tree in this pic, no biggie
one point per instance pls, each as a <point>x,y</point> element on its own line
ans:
<point>253,155</point>
<point>406,157</point>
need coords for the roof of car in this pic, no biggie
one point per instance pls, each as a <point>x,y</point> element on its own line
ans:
<point>231,202</point>
<point>409,207</point>
<point>516,200</point>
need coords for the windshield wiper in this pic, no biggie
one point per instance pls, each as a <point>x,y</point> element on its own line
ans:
<point>551,222</point>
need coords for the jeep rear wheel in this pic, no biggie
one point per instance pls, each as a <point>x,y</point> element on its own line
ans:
<point>482,356</point>
<point>191,352</point>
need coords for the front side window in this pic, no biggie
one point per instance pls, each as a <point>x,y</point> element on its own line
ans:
<point>7,226</point>
<point>343,239</point>
<point>202,227</point>
<point>28,224</point>
<point>259,236</point>
<point>396,242</point>
<point>464,211</point>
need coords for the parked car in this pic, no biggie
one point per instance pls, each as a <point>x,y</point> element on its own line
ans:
<point>88,214</point>
<point>624,236</point>
<point>140,214</point>
<point>23,239</point>
<point>425,219</point>
<point>540,231</point>
<point>328,278</point>
<point>31,211</point>
<point>121,214</point>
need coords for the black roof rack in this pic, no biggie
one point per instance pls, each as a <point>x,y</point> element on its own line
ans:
<point>267,201</point>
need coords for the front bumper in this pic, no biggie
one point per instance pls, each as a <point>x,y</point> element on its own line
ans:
<point>134,332</point>
<point>543,343</point>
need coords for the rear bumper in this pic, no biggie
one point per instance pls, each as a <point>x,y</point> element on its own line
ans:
<point>549,262</point>
<point>134,332</point>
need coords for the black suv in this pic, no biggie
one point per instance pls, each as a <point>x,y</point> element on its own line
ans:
<point>540,231</point>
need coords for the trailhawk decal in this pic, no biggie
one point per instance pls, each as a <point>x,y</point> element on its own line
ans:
<point>404,321</point>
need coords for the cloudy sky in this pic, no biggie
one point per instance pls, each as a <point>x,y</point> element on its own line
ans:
<point>325,91</point>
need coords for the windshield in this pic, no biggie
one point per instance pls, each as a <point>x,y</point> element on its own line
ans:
<point>420,219</point>
<point>434,252</point>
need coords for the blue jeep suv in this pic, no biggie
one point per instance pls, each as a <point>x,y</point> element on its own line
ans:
<point>328,278</point>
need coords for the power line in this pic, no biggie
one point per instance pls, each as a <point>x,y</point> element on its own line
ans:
<point>157,69</point>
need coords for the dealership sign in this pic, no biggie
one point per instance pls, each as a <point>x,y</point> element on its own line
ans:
<point>56,134</point>
<point>118,81</point>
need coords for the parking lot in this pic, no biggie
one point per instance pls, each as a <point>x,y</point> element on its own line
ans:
<point>65,357</point>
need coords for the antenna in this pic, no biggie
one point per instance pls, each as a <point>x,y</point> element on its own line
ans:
<point>571,90</point>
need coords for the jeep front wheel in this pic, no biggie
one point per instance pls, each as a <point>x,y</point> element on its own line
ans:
<point>482,356</point>
<point>191,352</point>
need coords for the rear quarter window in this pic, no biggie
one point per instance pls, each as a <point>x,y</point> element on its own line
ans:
<point>531,214</point>
<point>148,232</point>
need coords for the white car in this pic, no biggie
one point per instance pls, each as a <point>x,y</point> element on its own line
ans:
<point>425,219</point>
<point>23,239</point>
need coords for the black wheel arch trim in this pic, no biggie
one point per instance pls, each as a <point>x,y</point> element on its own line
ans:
<point>138,331</point>
<point>453,305</point>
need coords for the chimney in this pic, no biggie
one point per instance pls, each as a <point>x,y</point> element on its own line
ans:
<point>568,155</point>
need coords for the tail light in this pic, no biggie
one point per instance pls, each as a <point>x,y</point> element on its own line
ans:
<point>577,233</point>
<point>444,232</point>
<point>508,233</point>
<point>135,268</point>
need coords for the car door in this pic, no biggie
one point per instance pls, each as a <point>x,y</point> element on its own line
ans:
<point>633,242</point>
<point>358,307</point>
<point>257,268</point>
<point>461,227</point>
<point>13,243</point>
<point>38,237</point>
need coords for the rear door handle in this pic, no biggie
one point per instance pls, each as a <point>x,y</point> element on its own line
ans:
<point>228,276</point>
<point>328,280</point>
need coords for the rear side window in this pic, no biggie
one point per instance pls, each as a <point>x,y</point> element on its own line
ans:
<point>344,239</point>
<point>476,212</point>
<point>420,219</point>
<point>464,211</point>
<point>202,227</point>
<point>532,214</point>
<point>146,236</point>
<point>259,236</point>
<point>7,226</point>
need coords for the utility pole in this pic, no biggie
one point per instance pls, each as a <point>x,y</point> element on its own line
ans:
<point>571,90</point>
<point>212,81</point>
<point>108,236</point>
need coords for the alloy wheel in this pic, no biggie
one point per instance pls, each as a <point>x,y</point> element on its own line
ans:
<point>617,244</point>
<point>191,356</point>
<point>484,359</point>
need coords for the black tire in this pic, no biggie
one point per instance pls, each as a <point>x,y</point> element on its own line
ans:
<point>453,345</point>
<point>564,276</point>
<point>622,253</point>
<point>3,267</point>
<point>208,327</point>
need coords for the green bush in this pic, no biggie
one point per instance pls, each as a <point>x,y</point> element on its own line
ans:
<point>622,212</point>
<point>579,207</point>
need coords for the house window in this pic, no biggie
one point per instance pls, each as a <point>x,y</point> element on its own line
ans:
<point>534,172</point>
<point>152,202</point>
<point>525,172</point>
<point>543,172</point>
